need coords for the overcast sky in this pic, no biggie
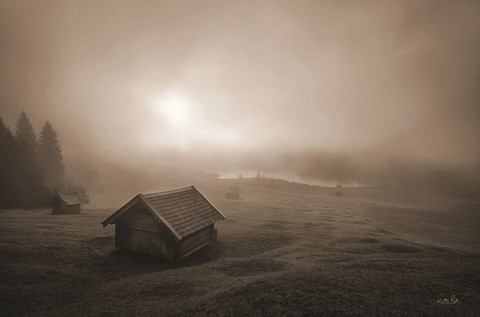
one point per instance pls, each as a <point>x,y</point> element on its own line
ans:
<point>127,79</point>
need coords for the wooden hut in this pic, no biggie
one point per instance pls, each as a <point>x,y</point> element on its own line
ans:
<point>66,204</point>
<point>170,225</point>
<point>232,195</point>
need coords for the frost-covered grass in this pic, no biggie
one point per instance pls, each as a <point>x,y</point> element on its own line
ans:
<point>285,249</point>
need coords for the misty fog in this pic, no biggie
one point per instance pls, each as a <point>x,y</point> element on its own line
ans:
<point>368,92</point>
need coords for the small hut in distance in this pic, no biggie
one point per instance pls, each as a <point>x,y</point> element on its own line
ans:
<point>66,204</point>
<point>232,195</point>
<point>339,191</point>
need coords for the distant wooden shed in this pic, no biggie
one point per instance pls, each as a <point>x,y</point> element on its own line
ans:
<point>66,204</point>
<point>170,225</point>
<point>232,195</point>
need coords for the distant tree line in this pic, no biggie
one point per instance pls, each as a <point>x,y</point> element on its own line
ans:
<point>31,169</point>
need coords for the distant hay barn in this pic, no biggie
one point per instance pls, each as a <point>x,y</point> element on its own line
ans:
<point>232,195</point>
<point>169,225</point>
<point>66,204</point>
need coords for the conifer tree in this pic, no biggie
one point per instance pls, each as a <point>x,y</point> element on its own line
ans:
<point>51,159</point>
<point>24,133</point>
<point>7,167</point>
<point>28,176</point>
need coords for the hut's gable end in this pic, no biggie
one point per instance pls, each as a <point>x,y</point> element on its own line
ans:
<point>137,217</point>
<point>66,204</point>
<point>137,229</point>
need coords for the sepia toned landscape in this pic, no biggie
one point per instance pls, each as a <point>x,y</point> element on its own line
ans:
<point>239,158</point>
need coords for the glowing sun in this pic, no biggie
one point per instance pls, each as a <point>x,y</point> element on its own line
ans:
<point>175,108</point>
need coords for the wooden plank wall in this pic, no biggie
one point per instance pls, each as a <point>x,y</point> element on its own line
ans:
<point>61,208</point>
<point>196,241</point>
<point>138,231</point>
<point>72,209</point>
<point>152,243</point>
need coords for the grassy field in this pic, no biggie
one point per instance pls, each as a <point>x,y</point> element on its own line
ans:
<point>285,249</point>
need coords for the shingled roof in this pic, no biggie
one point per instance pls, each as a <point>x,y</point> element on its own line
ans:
<point>70,198</point>
<point>183,211</point>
